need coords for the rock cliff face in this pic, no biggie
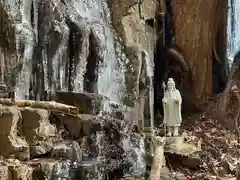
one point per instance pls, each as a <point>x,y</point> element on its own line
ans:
<point>39,143</point>
<point>75,45</point>
<point>134,23</point>
<point>95,47</point>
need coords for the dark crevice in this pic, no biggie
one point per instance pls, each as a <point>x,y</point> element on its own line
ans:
<point>73,52</point>
<point>116,174</point>
<point>164,42</point>
<point>38,174</point>
<point>219,71</point>
<point>32,14</point>
<point>38,87</point>
<point>91,75</point>
<point>170,63</point>
<point>46,155</point>
<point>219,81</point>
<point>150,22</point>
<point>160,68</point>
<point>169,26</point>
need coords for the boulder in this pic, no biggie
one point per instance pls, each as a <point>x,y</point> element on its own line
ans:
<point>84,124</point>
<point>11,143</point>
<point>185,154</point>
<point>38,130</point>
<point>89,147</point>
<point>88,103</point>
<point>19,170</point>
<point>5,173</point>
<point>45,168</point>
<point>94,134</point>
<point>41,148</point>
<point>90,170</point>
<point>102,144</point>
<point>77,126</point>
<point>67,149</point>
<point>54,169</point>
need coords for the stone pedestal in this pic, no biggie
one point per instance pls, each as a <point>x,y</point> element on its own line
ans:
<point>159,141</point>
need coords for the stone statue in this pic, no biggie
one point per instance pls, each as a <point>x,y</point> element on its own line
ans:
<point>172,108</point>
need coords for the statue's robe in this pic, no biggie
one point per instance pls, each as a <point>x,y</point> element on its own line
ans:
<point>172,109</point>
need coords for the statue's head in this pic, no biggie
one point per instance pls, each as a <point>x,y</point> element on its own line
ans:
<point>171,84</point>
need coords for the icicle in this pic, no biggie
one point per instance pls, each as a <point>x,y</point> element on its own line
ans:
<point>45,69</point>
<point>2,66</point>
<point>35,23</point>
<point>150,73</point>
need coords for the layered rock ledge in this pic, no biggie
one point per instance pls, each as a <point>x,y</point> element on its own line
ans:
<point>45,142</point>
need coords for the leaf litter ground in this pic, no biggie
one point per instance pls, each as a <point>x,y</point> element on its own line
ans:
<point>219,150</point>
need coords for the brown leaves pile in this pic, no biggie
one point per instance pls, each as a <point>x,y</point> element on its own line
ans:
<point>219,149</point>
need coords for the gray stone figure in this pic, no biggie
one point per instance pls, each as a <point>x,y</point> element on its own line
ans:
<point>172,102</point>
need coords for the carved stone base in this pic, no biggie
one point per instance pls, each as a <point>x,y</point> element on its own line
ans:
<point>176,145</point>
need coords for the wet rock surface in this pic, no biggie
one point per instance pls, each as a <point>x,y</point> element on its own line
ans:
<point>70,46</point>
<point>88,103</point>
<point>92,145</point>
<point>4,173</point>
<point>83,146</point>
<point>38,131</point>
<point>83,124</point>
<point>13,144</point>
<point>64,47</point>
<point>67,149</point>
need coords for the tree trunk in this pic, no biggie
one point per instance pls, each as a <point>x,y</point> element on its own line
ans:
<point>197,25</point>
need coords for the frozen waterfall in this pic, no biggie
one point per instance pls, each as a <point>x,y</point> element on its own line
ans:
<point>51,32</point>
<point>233,29</point>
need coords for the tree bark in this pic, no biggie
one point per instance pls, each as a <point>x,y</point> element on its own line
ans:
<point>197,25</point>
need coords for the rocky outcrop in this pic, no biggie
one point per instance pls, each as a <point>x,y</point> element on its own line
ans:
<point>38,131</point>
<point>13,144</point>
<point>67,50</point>
<point>68,150</point>
<point>43,143</point>
<point>38,143</point>
<point>80,46</point>
<point>134,23</point>
<point>87,103</point>
<point>71,45</point>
